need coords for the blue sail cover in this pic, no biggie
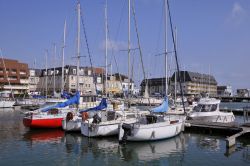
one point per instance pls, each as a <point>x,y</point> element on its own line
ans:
<point>103,104</point>
<point>162,108</point>
<point>65,95</point>
<point>74,100</point>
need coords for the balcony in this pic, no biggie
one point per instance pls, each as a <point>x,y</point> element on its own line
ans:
<point>24,81</point>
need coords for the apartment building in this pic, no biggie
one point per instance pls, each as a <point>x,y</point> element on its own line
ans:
<point>52,80</point>
<point>193,83</point>
<point>14,76</point>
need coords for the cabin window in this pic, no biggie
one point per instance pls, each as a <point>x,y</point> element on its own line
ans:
<point>214,107</point>
<point>205,108</point>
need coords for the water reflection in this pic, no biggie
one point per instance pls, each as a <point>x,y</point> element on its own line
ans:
<point>44,136</point>
<point>208,143</point>
<point>146,151</point>
<point>133,151</point>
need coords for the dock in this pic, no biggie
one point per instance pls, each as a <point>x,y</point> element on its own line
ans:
<point>234,129</point>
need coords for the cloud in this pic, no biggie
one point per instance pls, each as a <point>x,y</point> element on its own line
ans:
<point>237,14</point>
<point>114,45</point>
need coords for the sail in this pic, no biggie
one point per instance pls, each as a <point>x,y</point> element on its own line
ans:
<point>146,95</point>
<point>103,104</point>
<point>162,108</point>
<point>73,100</point>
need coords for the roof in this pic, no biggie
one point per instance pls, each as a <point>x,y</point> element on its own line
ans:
<point>188,76</point>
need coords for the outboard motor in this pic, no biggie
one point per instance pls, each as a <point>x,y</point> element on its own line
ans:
<point>127,132</point>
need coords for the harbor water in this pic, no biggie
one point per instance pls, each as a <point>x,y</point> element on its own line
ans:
<point>22,146</point>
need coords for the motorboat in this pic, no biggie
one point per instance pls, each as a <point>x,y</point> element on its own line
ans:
<point>208,110</point>
<point>155,126</point>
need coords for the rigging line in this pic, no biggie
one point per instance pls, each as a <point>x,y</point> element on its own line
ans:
<point>86,40</point>
<point>12,95</point>
<point>139,45</point>
<point>158,39</point>
<point>138,40</point>
<point>112,46</point>
<point>176,59</point>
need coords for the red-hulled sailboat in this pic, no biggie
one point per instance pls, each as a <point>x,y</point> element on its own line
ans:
<point>51,116</point>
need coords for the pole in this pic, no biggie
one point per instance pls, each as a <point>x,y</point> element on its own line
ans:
<point>78,43</point>
<point>166,47</point>
<point>63,47</point>
<point>46,76</point>
<point>54,73</point>
<point>106,48</point>
<point>129,48</point>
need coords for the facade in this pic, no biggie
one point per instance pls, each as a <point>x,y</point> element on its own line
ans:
<point>34,76</point>
<point>224,90</point>
<point>119,83</point>
<point>53,77</point>
<point>155,86</point>
<point>243,92</point>
<point>14,76</point>
<point>192,84</point>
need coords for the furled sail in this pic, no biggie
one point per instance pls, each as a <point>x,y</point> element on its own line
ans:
<point>103,104</point>
<point>162,108</point>
<point>73,100</point>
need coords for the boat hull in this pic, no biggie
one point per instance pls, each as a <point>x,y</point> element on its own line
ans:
<point>152,132</point>
<point>6,104</point>
<point>215,118</point>
<point>72,125</point>
<point>95,130</point>
<point>43,122</point>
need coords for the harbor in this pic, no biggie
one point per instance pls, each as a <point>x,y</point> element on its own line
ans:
<point>124,82</point>
<point>44,146</point>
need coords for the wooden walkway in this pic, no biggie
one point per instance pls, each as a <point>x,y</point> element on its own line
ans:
<point>232,127</point>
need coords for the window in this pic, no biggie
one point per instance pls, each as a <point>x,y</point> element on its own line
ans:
<point>74,71</point>
<point>72,78</point>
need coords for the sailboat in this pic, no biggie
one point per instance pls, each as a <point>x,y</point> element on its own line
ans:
<point>157,125</point>
<point>50,116</point>
<point>105,121</point>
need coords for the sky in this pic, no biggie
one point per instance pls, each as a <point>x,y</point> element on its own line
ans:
<point>212,36</point>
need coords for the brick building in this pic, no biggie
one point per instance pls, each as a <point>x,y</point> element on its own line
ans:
<point>14,76</point>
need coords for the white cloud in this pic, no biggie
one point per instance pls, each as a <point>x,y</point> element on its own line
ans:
<point>237,14</point>
<point>114,45</point>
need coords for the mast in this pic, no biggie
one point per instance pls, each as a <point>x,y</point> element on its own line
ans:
<point>106,47</point>
<point>54,73</point>
<point>46,76</point>
<point>128,48</point>
<point>166,47</point>
<point>63,47</point>
<point>78,43</point>
<point>175,76</point>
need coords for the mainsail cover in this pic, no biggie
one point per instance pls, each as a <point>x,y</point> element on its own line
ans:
<point>162,108</point>
<point>73,100</point>
<point>103,104</point>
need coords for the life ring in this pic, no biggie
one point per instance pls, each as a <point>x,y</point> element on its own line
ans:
<point>85,116</point>
<point>69,116</point>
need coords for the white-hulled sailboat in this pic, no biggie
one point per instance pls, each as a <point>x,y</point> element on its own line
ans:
<point>155,126</point>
